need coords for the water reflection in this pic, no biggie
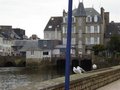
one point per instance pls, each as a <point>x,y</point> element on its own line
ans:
<point>12,77</point>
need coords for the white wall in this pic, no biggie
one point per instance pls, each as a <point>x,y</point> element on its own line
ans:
<point>5,47</point>
<point>52,35</point>
<point>38,54</point>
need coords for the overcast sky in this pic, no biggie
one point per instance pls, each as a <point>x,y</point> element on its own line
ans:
<point>33,15</point>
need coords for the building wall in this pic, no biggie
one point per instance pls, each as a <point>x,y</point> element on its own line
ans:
<point>87,30</point>
<point>5,47</point>
<point>38,54</point>
<point>52,35</point>
<point>33,54</point>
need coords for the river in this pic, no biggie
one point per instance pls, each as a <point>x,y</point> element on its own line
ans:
<point>12,77</point>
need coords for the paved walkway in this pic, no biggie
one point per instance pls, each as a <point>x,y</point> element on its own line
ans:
<point>112,86</point>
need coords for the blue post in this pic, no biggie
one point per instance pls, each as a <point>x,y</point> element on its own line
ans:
<point>68,46</point>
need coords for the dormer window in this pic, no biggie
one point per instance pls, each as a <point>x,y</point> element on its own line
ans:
<point>89,19</point>
<point>52,18</point>
<point>50,26</point>
<point>95,18</point>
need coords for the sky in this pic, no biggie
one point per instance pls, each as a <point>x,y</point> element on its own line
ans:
<point>33,15</point>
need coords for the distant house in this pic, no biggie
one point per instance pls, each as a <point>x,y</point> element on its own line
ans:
<point>113,28</point>
<point>53,29</point>
<point>40,50</point>
<point>5,46</point>
<point>12,33</point>
<point>20,46</point>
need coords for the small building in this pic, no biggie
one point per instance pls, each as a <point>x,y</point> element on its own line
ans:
<point>5,46</point>
<point>38,51</point>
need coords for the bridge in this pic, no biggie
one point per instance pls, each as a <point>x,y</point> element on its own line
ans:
<point>91,80</point>
<point>12,61</point>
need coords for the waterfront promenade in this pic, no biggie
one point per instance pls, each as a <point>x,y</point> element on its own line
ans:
<point>112,86</point>
<point>93,80</point>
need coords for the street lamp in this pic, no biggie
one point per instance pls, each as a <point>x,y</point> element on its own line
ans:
<point>68,46</point>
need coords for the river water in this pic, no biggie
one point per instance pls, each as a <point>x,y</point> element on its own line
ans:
<point>12,77</point>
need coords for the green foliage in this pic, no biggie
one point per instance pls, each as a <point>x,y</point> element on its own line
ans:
<point>114,44</point>
<point>98,48</point>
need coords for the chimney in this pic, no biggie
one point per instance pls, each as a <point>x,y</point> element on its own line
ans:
<point>106,16</point>
<point>64,13</point>
<point>102,12</point>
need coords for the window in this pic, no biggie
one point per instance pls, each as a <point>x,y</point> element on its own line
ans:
<point>73,20</point>
<point>92,40</point>
<point>73,41</point>
<point>80,44</point>
<point>45,53</point>
<point>97,40</point>
<point>95,18</point>
<point>52,18</point>
<point>65,19</point>
<point>96,29</point>
<point>87,40</point>
<point>32,52</point>
<point>50,26</point>
<point>92,29</point>
<point>89,19</point>
<point>45,43</point>
<point>73,29</point>
<point>64,30</point>
<point>64,41</point>
<point>88,28</point>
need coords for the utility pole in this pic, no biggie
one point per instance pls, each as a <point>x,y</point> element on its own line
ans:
<point>68,46</point>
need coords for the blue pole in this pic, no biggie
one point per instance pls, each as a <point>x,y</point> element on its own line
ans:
<point>68,46</point>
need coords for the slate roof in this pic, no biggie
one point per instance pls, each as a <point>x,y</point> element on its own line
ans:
<point>80,11</point>
<point>91,11</point>
<point>36,44</point>
<point>26,44</point>
<point>48,44</point>
<point>112,29</point>
<point>53,23</point>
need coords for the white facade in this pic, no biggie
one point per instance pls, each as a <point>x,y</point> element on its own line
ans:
<point>52,35</point>
<point>38,54</point>
<point>5,47</point>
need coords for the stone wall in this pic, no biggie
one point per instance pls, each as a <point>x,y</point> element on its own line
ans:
<point>12,61</point>
<point>39,62</point>
<point>87,81</point>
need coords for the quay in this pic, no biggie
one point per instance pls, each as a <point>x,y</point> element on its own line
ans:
<point>112,86</point>
<point>91,80</point>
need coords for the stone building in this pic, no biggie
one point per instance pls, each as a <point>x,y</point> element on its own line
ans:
<point>88,28</point>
